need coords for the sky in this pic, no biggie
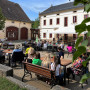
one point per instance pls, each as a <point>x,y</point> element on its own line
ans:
<point>33,7</point>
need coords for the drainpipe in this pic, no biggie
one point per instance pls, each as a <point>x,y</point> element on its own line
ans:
<point>19,33</point>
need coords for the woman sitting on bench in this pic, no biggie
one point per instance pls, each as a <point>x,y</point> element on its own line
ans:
<point>37,60</point>
<point>46,62</point>
<point>31,55</point>
<point>77,64</point>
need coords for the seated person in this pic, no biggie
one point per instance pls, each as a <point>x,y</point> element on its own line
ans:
<point>26,52</point>
<point>2,57</point>
<point>85,56</point>
<point>77,64</point>
<point>17,49</point>
<point>31,55</point>
<point>37,60</point>
<point>45,45</point>
<point>46,62</point>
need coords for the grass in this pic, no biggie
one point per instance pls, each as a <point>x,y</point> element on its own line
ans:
<point>7,85</point>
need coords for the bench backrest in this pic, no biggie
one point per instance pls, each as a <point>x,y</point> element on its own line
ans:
<point>38,70</point>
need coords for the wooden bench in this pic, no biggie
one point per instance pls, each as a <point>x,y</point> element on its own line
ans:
<point>45,72</point>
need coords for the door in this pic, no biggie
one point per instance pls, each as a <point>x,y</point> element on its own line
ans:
<point>12,33</point>
<point>24,33</point>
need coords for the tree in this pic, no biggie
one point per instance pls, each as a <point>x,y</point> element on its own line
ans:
<point>2,20</point>
<point>81,48</point>
<point>35,23</point>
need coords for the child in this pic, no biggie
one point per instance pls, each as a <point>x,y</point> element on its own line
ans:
<point>55,66</point>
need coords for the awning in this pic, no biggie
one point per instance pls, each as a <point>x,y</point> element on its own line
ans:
<point>65,30</point>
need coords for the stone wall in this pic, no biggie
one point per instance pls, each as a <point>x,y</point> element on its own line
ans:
<point>5,71</point>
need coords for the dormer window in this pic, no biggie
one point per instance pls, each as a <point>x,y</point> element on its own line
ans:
<point>74,11</point>
<point>12,21</point>
<point>57,14</point>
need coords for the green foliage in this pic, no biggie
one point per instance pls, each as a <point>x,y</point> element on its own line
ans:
<point>87,7</point>
<point>76,2</point>
<point>88,34</point>
<point>35,24</point>
<point>78,41</point>
<point>79,29</point>
<point>2,20</point>
<point>86,61</point>
<point>88,28</point>
<point>84,43</point>
<point>86,20</point>
<point>80,51</point>
<point>85,77</point>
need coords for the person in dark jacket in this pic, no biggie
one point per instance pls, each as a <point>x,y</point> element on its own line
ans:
<point>2,57</point>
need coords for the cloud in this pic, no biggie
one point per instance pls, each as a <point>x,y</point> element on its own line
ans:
<point>38,5</point>
<point>33,7</point>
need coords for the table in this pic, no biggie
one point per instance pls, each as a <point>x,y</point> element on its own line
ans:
<point>9,52</point>
<point>64,63</point>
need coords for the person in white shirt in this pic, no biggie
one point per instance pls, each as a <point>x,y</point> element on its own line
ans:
<point>62,45</point>
<point>45,46</point>
<point>58,74</point>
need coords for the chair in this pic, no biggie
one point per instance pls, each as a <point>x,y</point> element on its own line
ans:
<point>5,46</point>
<point>17,57</point>
<point>49,48</point>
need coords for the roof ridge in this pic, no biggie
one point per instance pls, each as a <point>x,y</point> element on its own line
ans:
<point>63,3</point>
<point>61,7</point>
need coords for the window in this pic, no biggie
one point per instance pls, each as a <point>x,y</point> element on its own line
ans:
<point>44,22</point>
<point>57,22</point>
<point>12,21</point>
<point>44,16</point>
<point>85,16</point>
<point>44,35</point>
<point>66,37</point>
<point>57,35</point>
<point>74,36</point>
<point>57,14</point>
<point>65,21</point>
<point>50,21</point>
<point>74,19</point>
<point>24,23</point>
<point>74,11</point>
<point>50,35</point>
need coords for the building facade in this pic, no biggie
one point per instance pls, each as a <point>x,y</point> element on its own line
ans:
<point>60,21</point>
<point>17,24</point>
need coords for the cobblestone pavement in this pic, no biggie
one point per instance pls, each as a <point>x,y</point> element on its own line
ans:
<point>73,85</point>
